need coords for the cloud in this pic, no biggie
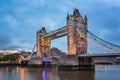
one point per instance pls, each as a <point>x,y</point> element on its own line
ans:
<point>17,44</point>
<point>36,2</point>
<point>5,41</point>
<point>39,2</point>
<point>108,3</point>
<point>11,21</point>
<point>49,22</point>
<point>10,51</point>
<point>112,2</point>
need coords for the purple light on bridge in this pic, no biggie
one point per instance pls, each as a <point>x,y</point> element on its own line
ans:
<point>46,60</point>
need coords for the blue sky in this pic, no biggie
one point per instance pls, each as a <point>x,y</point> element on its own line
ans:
<point>20,19</point>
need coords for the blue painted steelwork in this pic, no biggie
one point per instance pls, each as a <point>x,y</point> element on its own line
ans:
<point>56,34</point>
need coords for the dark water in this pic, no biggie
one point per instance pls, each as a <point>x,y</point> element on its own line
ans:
<point>102,72</point>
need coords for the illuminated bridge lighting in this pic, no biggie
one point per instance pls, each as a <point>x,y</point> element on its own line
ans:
<point>45,59</point>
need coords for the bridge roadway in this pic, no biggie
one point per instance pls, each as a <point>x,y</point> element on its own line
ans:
<point>101,55</point>
<point>56,34</point>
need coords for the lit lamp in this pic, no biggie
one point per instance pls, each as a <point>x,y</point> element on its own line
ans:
<point>81,36</point>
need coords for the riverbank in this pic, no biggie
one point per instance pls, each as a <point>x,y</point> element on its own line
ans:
<point>10,64</point>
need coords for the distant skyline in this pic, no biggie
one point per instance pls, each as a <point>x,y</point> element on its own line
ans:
<point>20,19</point>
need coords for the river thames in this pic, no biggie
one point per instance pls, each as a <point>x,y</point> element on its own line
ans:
<point>102,72</point>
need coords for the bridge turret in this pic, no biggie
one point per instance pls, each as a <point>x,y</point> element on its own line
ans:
<point>67,16</point>
<point>43,31</point>
<point>76,13</point>
<point>43,44</point>
<point>77,43</point>
<point>85,19</point>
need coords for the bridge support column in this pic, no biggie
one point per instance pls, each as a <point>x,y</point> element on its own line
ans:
<point>86,63</point>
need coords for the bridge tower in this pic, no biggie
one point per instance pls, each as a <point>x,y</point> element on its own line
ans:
<point>77,43</point>
<point>43,45</point>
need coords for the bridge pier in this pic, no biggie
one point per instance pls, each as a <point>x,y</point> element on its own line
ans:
<point>46,64</point>
<point>86,63</point>
<point>75,63</point>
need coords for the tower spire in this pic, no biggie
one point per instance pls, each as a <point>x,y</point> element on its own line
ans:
<point>85,19</point>
<point>67,15</point>
<point>76,13</point>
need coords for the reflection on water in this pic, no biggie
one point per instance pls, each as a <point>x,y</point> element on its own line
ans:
<point>107,72</point>
<point>77,75</point>
<point>102,72</point>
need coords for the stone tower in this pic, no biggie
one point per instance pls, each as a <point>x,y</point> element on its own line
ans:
<point>43,45</point>
<point>77,43</point>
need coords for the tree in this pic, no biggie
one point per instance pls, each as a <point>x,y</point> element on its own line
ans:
<point>10,57</point>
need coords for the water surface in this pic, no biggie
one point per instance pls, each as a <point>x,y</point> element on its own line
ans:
<point>102,72</point>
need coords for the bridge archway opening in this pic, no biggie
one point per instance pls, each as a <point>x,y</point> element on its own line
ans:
<point>60,43</point>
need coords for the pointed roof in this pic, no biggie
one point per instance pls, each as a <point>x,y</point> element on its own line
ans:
<point>76,13</point>
<point>68,15</point>
<point>85,17</point>
<point>43,28</point>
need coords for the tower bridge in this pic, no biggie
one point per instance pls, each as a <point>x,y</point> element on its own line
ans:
<point>77,43</point>
<point>77,34</point>
<point>78,37</point>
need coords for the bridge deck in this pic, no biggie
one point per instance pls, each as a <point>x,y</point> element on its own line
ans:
<point>101,55</point>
